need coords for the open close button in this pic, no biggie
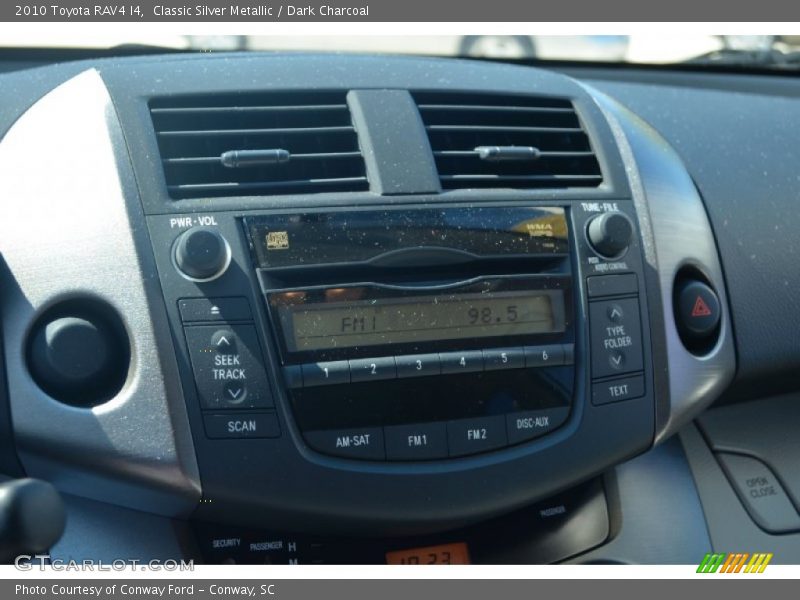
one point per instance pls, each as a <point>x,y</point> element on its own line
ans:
<point>761,493</point>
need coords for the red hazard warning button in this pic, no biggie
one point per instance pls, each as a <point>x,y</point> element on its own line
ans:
<point>701,308</point>
<point>697,310</point>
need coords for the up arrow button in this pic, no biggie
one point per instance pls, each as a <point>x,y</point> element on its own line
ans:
<point>224,341</point>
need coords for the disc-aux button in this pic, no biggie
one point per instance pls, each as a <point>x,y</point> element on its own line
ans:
<point>228,367</point>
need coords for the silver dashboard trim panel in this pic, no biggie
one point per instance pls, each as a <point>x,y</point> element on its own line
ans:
<point>677,233</point>
<point>70,225</point>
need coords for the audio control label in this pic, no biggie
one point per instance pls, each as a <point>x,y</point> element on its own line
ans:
<point>228,367</point>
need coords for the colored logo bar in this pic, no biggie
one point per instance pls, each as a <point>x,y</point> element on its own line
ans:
<point>735,562</point>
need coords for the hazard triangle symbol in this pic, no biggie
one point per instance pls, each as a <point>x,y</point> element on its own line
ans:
<point>700,308</point>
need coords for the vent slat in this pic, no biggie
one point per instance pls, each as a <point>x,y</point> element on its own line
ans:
<point>459,124</point>
<point>314,130</point>
<point>265,185</point>
<point>243,132</point>
<point>191,110</point>
<point>487,107</point>
<point>214,160</point>
<point>491,129</point>
<point>577,177</point>
<point>475,154</point>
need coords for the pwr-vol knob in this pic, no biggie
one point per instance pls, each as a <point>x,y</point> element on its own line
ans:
<point>610,234</point>
<point>202,254</point>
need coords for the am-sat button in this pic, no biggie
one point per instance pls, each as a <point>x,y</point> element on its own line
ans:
<point>365,443</point>
<point>617,390</point>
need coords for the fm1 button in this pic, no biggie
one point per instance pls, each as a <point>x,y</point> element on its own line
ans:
<point>698,310</point>
<point>365,444</point>
<point>422,441</point>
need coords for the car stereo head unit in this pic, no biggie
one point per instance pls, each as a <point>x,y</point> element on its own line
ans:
<point>421,334</point>
<point>395,354</point>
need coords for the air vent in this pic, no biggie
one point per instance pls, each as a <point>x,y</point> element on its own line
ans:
<point>500,141</point>
<point>251,145</point>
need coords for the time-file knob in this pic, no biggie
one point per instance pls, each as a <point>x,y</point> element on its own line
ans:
<point>610,234</point>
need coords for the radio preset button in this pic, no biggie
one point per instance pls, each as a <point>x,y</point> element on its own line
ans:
<point>569,353</point>
<point>228,367</point>
<point>531,424</point>
<point>365,443</point>
<point>504,358</point>
<point>372,369</point>
<point>293,374</point>
<point>326,373</point>
<point>616,335</point>
<point>423,441</point>
<point>544,356</point>
<point>471,436</point>
<point>461,362</point>
<point>417,365</point>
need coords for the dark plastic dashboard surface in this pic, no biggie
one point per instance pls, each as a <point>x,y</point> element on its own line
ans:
<point>732,134</point>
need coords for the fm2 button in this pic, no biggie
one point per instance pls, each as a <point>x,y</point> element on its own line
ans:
<point>471,436</point>
<point>228,367</point>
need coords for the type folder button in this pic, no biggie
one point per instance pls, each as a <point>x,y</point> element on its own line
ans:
<point>616,337</point>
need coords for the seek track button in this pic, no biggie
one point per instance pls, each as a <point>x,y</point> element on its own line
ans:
<point>228,367</point>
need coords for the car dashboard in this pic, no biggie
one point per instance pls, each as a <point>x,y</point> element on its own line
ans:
<point>308,308</point>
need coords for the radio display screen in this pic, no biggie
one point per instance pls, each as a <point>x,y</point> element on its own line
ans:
<point>346,318</point>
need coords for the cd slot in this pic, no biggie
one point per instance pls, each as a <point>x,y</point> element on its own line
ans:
<point>313,275</point>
